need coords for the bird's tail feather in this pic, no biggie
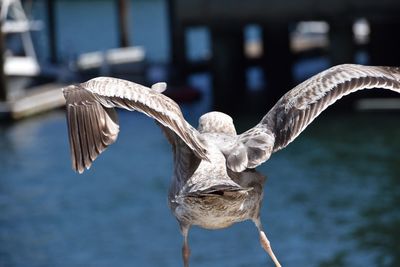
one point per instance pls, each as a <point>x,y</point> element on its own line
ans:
<point>219,190</point>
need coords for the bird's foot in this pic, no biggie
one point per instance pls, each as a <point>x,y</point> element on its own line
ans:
<point>267,247</point>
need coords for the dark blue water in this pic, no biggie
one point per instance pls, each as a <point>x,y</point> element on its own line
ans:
<point>331,199</point>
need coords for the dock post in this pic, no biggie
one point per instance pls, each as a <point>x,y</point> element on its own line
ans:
<point>177,45</point>
<point>3,83</point>
<point>341,41</point>
<point>277,61</point>
<point>228,68</point>
<point>122,8</point>
<point>384,42</point>
<point>51,19</point>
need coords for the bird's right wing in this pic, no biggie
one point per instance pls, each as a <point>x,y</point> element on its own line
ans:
<point>301,105</point>
<point>92,120</point>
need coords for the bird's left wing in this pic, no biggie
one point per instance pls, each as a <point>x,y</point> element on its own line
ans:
<point>300,106</point>
<point>92,120</point>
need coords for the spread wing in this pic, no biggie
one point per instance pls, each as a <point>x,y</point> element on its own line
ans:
<point>92,120</point>
<point>300,106</point>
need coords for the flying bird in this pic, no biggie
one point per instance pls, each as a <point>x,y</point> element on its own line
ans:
<point>214,183</point>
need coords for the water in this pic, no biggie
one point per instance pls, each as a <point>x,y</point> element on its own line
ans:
<point>331,199</point>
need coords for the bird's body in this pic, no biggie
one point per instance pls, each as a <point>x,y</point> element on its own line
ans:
<point>214,197</point>
<point>214,183</point>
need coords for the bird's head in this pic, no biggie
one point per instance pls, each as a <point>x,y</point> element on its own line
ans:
<point>216,122</point>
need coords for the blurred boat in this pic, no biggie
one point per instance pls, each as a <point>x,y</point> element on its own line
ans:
<point>123,62</point>
<point>21,66</point>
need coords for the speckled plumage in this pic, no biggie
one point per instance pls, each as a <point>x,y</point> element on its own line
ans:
<point>214,182</point>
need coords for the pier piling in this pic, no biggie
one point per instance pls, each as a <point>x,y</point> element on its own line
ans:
<point>3,84</point>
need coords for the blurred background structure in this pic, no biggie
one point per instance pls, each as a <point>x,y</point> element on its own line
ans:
<point>331,198</point>
<point>266,46</point>
<point>283,34</point>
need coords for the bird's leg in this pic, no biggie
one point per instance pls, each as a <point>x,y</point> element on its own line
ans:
<point>265,242</point>
<point>185,247</point>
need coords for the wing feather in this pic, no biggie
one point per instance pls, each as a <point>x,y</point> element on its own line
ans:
<point>73,137</point>
<point>300,106</point>
<point>93,123</point>
<point>83,137</point>
<point>90,135</point>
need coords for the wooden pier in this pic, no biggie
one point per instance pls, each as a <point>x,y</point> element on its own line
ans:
<point>36,100</point>
<point>226,19</point>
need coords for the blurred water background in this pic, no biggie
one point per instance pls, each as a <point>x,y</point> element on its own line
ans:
<point>331,199</point>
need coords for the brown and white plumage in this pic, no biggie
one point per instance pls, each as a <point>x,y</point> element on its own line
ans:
<point>300,106</point>
<point>214,182</point>
<point>92,121</point>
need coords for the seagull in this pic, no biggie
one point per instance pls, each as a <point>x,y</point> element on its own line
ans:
<point>215,183</point>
